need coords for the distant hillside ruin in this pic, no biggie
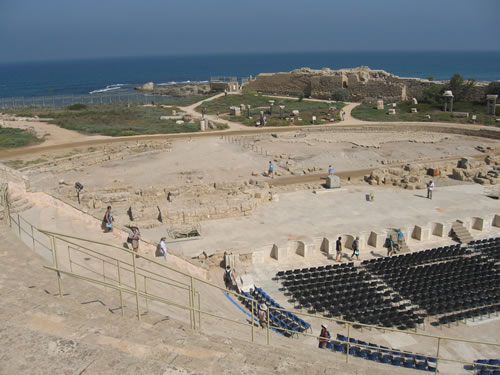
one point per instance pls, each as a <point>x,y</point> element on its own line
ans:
<point>363,84</point>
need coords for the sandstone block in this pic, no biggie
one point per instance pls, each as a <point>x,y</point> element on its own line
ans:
<point>333,182</point>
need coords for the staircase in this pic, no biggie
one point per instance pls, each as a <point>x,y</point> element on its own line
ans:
<point>460,232</point>
<point>18,204</point>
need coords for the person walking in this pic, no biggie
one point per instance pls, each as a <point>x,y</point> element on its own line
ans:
<point>229,278</point>
<point>270,172</point>
<point>390,246</point>
<point>262,315</point>
<point>355,248</point>
<point>217,114</point>
<point>400,237</point>
<point>330,170</point>
<point>338,248</point>
<point>430,188</point>
<point>324,336</point>
<point>107,221</point>
<point>134,237</point>
<point>343,115</point>
<point>162,246</point>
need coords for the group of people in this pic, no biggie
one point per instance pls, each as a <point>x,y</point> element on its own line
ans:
<point>354,247</point>
<point>134,235</point>
<point>393,247</point>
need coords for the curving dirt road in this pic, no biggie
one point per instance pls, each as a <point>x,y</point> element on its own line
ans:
<point>61,139</point>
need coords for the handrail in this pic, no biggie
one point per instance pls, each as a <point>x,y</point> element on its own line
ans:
<point>193,310</point>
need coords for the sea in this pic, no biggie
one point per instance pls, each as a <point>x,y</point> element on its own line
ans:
<point>118,75</point>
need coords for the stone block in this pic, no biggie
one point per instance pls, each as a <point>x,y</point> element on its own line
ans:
<point>460,114</point>
<point>421,232</point>
<point>305,249</point>
<point>327,246</point>
<point>414,101</point>
<point>295,112</point>
<point>380,104</point>
<point>235,111</point>
<point>414,110</point>
<point>391,111</point>
<point>481,224</point>
<point>440,229</point>
<point>377,239</point>
<point>495,222</point>
<point>258,257</point>
<point>333,182</point>
<point>279,252</point>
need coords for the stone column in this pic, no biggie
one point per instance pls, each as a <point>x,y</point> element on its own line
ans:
<point>248,110</point>
<point>262,118</point>
<point>282,107</point>
<point>271,103</point>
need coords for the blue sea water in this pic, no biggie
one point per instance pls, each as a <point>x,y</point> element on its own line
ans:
<point>77,77</point>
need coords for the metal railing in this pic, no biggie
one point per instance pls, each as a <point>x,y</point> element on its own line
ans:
<point>60,101</point>
<point>130,286</point>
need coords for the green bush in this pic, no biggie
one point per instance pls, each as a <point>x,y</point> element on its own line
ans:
<point>460,87</point>
<point>493,88</point>
<point>12,137</point>
<point>433,94</point>
<point>77,107</point>
<point>301,96</point>
<point>341,95</point>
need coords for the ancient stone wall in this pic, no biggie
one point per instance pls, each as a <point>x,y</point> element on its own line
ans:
<point>363,84</point>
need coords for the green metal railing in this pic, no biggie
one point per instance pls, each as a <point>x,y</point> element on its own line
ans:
<point>75,249</point>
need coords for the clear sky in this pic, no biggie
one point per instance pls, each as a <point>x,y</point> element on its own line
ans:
<point>70,29</point>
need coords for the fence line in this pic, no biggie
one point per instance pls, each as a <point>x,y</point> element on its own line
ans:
<point>60,101</point>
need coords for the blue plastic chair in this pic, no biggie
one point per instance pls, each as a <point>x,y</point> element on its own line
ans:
<point>421,366</point>
<point>374,356</point>
<point>339,348</point>
<point>396,361</point>
<point>353,350</point>
<point>352,340</point>
<point>341,337</point>
<point>386,358</point>
<point>431,369</point>
<point>409,363</point>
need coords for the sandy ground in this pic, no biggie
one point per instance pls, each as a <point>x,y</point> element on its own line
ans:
<point>215,159</point>
<point>52,134</point>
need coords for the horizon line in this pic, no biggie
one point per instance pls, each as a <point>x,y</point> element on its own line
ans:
<point>242,53</point>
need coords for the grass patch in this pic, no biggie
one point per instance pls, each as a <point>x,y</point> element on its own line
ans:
<point>259,102</point>
<point>11,137</point>
<point>115,120</point>
<point>183,101</point>
<point>369,112</point>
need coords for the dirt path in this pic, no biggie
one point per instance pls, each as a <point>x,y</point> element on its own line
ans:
<point>59,139</point>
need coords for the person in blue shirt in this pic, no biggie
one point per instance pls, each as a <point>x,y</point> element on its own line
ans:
<point>270,173</point>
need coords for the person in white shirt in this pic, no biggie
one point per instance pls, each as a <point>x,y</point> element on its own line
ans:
<point>163,248</point>
<point>430,187</point>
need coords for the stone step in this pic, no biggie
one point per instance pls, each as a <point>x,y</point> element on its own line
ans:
<point>77,333</point>
<point>461,233</point>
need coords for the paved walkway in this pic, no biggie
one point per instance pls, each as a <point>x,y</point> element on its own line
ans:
<point>344,211</point>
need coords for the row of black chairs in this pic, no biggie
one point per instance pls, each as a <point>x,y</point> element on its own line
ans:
<point>420,257</point>
<point>469,314</point>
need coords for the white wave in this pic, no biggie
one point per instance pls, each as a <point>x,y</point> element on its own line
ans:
<point>179,83</point>
<point>113,87</point>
